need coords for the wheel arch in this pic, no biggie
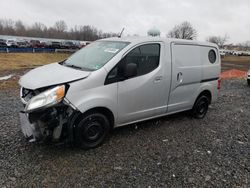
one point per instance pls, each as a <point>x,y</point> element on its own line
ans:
<point>78,115</point>
<point>105,111</point>
<point>206,93</point>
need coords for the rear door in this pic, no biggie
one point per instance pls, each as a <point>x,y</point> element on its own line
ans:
<point>186,76</point>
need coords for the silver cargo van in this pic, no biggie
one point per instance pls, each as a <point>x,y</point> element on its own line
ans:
<point>115,82</point>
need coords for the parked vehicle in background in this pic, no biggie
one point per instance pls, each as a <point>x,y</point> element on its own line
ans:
<point>68,45</point>
<point>23,44</point>
<point>46,44</point>
<point>118,81</point>
<point>248,77</point>
<point>11,43</point>
<point>56,45</point>
<point>78,44</point>
<point>36,44</point>
<point>222,53</point>
<point>3,43</point>
<point>83,44</point>
<point>2,40</point>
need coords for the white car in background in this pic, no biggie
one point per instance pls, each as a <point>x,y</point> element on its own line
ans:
<point>12,43</point>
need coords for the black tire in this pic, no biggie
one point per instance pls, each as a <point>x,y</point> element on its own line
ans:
<point>248,82</point>
<point>200,107</point>
<point>91,130</point>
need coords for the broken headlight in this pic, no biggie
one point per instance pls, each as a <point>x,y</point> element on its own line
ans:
<point>46,99</point>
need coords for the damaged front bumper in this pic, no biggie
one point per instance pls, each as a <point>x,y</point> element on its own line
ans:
<point>30,130</point>
<point>50,124</point>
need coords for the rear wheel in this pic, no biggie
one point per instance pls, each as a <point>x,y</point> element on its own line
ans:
<point>91,130</point>
<point>200,107</point>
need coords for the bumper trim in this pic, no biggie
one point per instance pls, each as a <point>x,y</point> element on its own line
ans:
<point>30,130</point>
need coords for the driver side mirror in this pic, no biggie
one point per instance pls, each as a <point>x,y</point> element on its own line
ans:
<point>130,70</point>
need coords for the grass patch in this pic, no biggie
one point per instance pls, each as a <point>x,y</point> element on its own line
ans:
<point>17,61</point>
<point>236,59</point>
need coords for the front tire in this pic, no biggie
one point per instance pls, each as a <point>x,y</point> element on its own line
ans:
<point>91,130</point>
<point>200,107</point>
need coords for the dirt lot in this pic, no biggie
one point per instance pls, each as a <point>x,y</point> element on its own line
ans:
<point>175,151</point>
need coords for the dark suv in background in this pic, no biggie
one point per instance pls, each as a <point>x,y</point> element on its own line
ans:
<point>3,43</point>
<point>36,44</point>
<point>68,45</point>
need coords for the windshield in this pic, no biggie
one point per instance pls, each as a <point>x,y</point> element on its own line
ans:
<point>95,55</point>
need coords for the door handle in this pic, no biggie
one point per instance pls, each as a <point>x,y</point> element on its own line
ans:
<point>179,77</point>
<point>158,79</point>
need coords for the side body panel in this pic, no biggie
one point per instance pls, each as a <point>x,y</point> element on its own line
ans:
<point>210,71</point>
<point>192,74</point>
<point>160,92</point>
<point>186,76</point>
<point>147,95</point>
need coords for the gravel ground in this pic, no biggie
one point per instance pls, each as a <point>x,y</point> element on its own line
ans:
<point>175,151</point>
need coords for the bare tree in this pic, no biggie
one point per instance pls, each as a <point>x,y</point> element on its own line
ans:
<point>1,26</point>
<point>60,26</point>
<point>59,30</point>
<point>20,28</point>
<point>183,31</point>
<point>219,40</point>
<point>38,26</point>
<point>36,30</point>
<point>8,26</point>
<point>246,46</point>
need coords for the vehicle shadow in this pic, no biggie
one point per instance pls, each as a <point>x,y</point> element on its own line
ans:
<point>150,124</point>
<point>62,149</point>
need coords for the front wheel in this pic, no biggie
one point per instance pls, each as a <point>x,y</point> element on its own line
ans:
<point>91,130</point>
<point>200,107</point>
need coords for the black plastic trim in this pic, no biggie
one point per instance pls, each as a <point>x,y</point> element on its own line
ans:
<point>210,79</point>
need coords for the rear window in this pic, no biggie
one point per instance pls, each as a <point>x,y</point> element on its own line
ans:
<point>212,56</point>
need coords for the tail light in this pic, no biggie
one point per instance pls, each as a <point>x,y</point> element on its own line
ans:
<point>219,84</point>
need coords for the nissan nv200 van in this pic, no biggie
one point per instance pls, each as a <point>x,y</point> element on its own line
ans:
<point>115,82</point>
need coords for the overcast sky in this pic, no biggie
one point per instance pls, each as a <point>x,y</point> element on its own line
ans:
<point>209,17</point>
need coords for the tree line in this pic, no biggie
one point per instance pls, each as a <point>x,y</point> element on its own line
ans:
<point>185,30</point>
<point>59,30</point>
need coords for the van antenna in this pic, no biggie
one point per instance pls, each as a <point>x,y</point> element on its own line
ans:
<point>119,36</point>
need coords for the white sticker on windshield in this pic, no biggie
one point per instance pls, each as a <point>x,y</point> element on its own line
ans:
<point>111,50</point>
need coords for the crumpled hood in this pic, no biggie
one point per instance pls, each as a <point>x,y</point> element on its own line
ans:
<point>51,74</point>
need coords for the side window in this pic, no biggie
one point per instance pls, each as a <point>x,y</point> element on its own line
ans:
<point>150,56</point>
<point>146,57</point>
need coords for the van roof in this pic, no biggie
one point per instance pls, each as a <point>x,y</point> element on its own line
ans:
<point>137,40</point>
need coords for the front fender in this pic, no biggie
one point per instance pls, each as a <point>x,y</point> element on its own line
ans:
<point>102,96</point>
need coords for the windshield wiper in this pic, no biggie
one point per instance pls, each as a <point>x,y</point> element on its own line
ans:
<point>73,66</point>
